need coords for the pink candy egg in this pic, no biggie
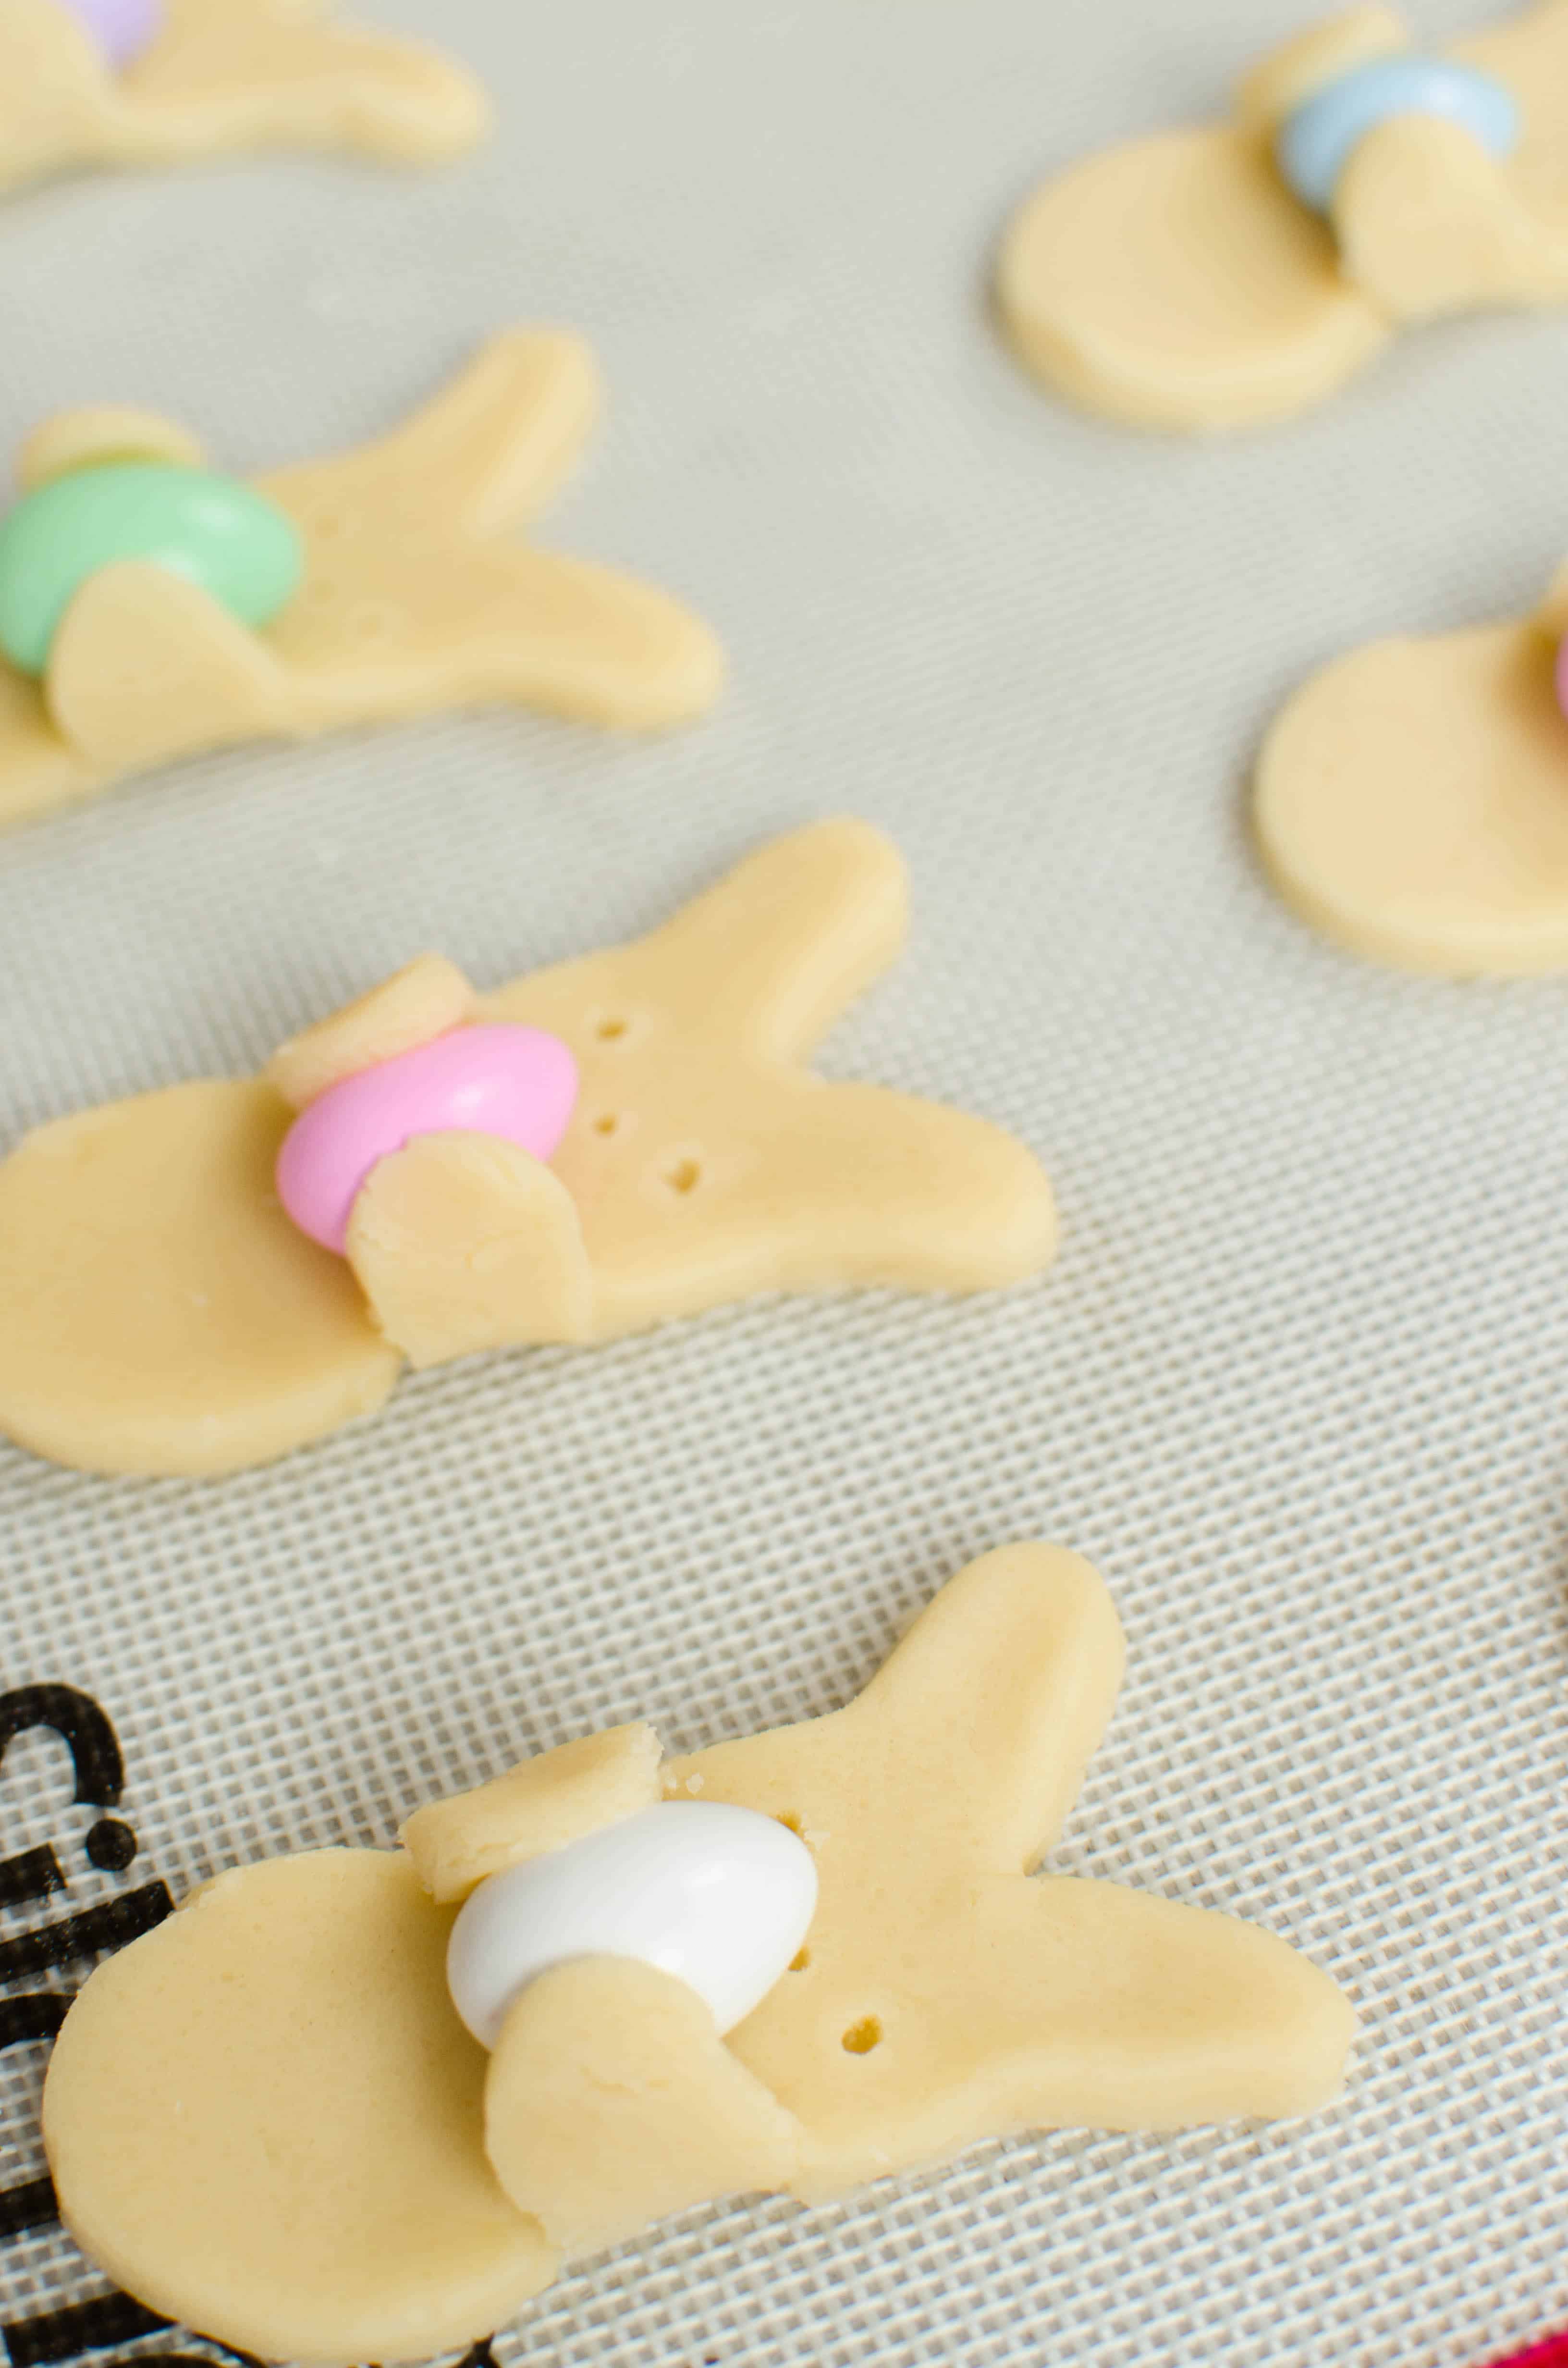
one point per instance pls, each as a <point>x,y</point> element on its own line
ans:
<point>516,1083</point>
<point>122,28</point>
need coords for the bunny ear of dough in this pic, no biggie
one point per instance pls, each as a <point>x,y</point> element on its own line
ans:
<point>145,664</point>
<point>264,2121</point>
<point>612,2102</point>
<point>161,1312</point>
<point>1412,801</point>
<point>57,101</point>
<point>224,76</point>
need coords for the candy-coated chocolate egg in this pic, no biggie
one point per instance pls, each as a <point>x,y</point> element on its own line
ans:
<point>517,1083</point>
<point>122,28</point>
<point>236,545</point>
<point>1317,140</point>
<point>718,1896</point>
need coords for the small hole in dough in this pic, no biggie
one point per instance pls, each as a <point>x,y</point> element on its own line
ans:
<point>609,1031</point>
<point>608,1123</point>
<point>799,1961</point>
<point>371,620</point>
<point>684,1177</point>
<point>862,2036</point>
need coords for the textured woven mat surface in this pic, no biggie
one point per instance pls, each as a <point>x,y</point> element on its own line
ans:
<point>1297,1383</point>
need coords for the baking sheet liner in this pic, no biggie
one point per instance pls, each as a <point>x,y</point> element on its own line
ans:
<point>1297,1381</point>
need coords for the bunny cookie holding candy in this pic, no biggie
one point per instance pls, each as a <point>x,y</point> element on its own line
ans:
<point>153,82</point>
<point>204,1278</point>
<point>799,1962</point>
<point>1217,276</point>
<point>149,608</point>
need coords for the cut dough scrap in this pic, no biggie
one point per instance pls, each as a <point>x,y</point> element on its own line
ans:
<point>224,74</point>
<point>612,2103</point>
<point>1411,803</point>
<point>265,2119</point>
<point>703,1163</point>
<point>409,600</point>
<point>539,1806</point>
<point>161,1314</point>
<point>463,1242</point>
<point>1176,281</point>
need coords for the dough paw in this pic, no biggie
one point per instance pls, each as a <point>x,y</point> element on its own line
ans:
<point>612,2102</point>
<point>146,666</point>
<point>462,1243</point>
<point>1429,225</point>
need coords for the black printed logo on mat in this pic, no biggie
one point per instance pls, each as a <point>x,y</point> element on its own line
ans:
<point>61,1942</point>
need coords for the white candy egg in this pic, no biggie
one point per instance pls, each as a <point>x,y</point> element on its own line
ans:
<point>719,1897</point>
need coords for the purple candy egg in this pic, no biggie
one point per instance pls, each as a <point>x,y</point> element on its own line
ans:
<point>122,28</point>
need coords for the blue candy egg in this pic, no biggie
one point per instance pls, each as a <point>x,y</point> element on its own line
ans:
<point>1316,139</point>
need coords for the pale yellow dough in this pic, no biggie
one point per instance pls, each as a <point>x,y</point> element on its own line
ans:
<point>943,1996</point>
<point>264,2118</point>
<point>1412,801</point>
<point>414,596</point>
<point>539,1806</point>
<point>224,74</point>
<point>159,1313</point>
<point>1178,282</point>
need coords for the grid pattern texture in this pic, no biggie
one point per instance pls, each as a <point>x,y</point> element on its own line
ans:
<point>1296,1383</point>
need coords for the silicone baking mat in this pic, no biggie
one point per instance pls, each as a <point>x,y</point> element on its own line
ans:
<point>1297,1383</point>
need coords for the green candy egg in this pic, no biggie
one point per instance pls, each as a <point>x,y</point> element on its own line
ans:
<point>232,541</point>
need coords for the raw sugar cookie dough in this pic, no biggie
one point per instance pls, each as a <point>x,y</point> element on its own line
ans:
<point>149,608</point>
<point>156,82</point>
<point>266,2118</point>
<point>202,1279</point>
<point>1214,277</point>
<point>1412,798</point>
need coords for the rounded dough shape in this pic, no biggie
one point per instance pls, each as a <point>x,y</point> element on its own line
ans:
<point>1412,801</point>
<point>1175,282</point>
<point>265,2121</point>
<point>158,1312</point>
